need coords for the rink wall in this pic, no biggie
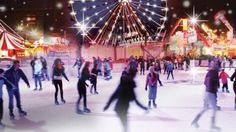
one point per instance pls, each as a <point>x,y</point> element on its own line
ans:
<point>122,52</point>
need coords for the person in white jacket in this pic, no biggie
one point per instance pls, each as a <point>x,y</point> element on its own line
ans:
<point>38,74</point>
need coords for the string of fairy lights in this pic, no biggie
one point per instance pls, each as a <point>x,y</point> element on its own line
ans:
<point>100,21</point>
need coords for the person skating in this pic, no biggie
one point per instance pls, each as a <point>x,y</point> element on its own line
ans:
<point>2,82</point>
<point>107,70</point>
<point>44,69</point>
<point>93,79</point>
<point>224,78</point>
<point>13,75</point>
<point>81,87</point>
<point>233,78</point>
<point>142,65</point>
<point>124,94</point>
<point>78,62</point>
<point>57,73</point>
<point>170,69</point>
<point>38,74</point>
<point>210,99</point>
<point>151,86</point>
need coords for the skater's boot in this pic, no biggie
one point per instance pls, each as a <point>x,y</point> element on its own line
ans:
<point>154,104</point>
<point>56,102</point>
<point>195,121</point>
<point>11,114</point>
<point>86,110</point>
<point>227,90</point>
<point>149,104</point>
<point>22,113</point>
<point>63,101</point>
<point>40,89</point>
<point>213,127</point>
<point>2,126</point>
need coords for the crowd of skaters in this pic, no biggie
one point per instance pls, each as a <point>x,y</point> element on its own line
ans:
<point>124,92</point>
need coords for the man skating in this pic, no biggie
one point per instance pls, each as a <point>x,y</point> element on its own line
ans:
<point>13,75</point>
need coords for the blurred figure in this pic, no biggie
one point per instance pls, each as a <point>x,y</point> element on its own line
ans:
<point>99,66</point>
<point>170,69</point>
<point>38,74</point>
<point>107,69</point>
<point>224,78</point>
<point>81,87</point>
<point>230,63</point>
<point>211,83</point>
<point>151,86</point>
<point>57,73</point>
<point>142,65</point>
<point>13,75</point>
<point>32,62</point>
<point>93,79</point>
<point>2,82</point>
<point>44,69</point>
<point>124,94</point>
<point>79,63</point>
<point>233,78</point>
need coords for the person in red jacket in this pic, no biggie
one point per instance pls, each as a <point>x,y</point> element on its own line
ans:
<point>224,76</point>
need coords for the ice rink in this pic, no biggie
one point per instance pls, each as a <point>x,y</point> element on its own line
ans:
<point>178,103</point>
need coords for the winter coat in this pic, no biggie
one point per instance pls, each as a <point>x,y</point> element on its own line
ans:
<point>14,76</point>
<point>224,76</point>
<point>212,81</point>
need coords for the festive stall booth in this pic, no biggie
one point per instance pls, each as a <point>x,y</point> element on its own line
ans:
<point>10,44</point>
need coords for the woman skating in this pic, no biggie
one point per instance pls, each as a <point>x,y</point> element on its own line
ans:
<point>57,73</point>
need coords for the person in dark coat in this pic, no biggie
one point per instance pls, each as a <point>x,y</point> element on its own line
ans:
<point>233,78</point>
<point>13,75</point>
<point>212,84</point>
<point>57,73</point>
<point>142,65</point>
<point>125,94</point>
<point>81,86</point>
<point>93,79</point>
<point>2,82</point>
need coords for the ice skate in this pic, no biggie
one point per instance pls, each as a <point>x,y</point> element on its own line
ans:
<point>78,111</point>
<point>22,113</point>
<point>63,101</point>
<point>195,124</point>
<point>227,91</point>
<point>2,125</point>
<point>40,89</point>
<point>35,89</point>
<point>12,116</point>
<point>86,110</point>
<point>56,103</point>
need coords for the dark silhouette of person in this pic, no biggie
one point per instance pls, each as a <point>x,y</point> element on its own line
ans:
<point>125,94</point>
<point>81,86</point>
<point>13,75</point>
<point>233,78</point>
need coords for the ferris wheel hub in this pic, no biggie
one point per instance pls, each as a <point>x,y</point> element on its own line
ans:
<point>125,1</point>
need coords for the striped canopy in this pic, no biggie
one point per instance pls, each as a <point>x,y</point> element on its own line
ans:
<point>9,41</point>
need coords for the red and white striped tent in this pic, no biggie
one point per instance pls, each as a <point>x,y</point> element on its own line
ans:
<point>10,42</point>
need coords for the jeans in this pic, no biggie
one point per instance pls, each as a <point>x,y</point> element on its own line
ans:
<point>37,80</point>
<point>45,74</point>
<point>11,93</point>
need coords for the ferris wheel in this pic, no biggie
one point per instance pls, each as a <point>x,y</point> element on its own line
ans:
<point>100,21</point>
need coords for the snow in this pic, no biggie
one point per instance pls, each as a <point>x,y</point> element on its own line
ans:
<point>178,103</point>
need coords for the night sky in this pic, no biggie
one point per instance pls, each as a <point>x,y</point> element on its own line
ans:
<point>54,17</point>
